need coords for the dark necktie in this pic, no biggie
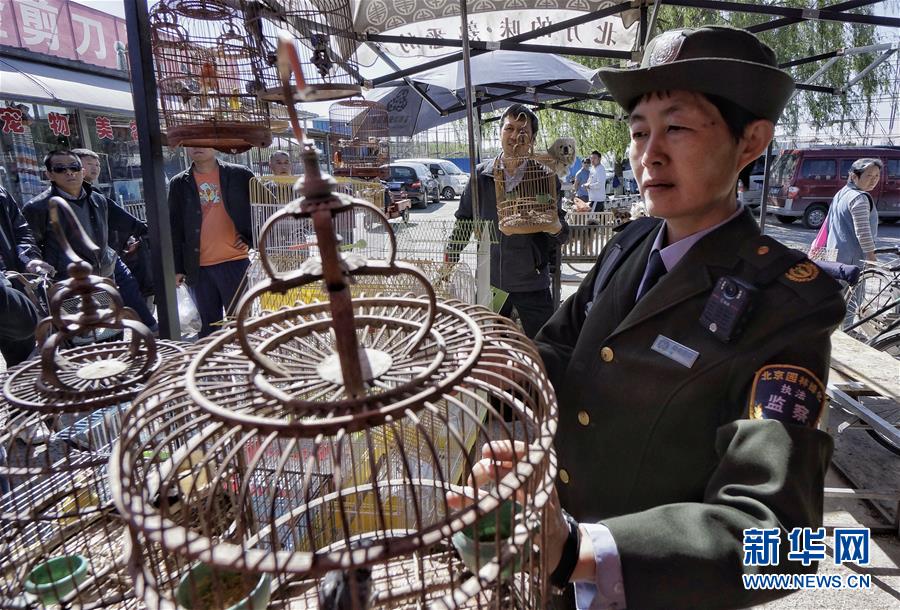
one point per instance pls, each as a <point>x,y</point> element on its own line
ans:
<point>655,270</point>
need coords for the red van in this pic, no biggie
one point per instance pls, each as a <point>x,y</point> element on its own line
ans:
<point>803,182</point>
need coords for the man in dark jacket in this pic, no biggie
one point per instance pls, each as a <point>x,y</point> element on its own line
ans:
<point>520,264</point>
<point>98,218</point>
<point>133,252</point>
<point>209,205</point>
<point>18,252</point>
<point>690,441</point>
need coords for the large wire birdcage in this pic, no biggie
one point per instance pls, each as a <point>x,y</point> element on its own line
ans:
<point>324,40</point>
<point>358,132</point>
<point>61,541</point>
<point>305,456</point>
<point>206,70</point>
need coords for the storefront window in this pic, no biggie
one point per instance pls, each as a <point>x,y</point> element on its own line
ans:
<point>27,133</point>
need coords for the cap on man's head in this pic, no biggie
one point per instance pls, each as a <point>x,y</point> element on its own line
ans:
<point>716,60</point>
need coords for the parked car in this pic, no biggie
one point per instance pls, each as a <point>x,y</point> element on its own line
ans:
<point>753,178</point>
<point>415,180</point>
<point>452,181</point>
<point>803,182</point>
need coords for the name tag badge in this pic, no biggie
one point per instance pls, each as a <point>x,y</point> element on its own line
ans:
<point>673,350</point>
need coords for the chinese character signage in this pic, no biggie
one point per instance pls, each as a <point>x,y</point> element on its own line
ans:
<point>762,548</point>
<point>132,127</point>
<point>11,119</point>
<point>63,29</point>
<point>493,21</point>
<point>104,128</point>
<point>59,124</point>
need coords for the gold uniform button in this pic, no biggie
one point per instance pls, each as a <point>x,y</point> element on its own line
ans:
<point>762,250</point>
<point>583,418</point>
<point>564,476</point>
<point>606,354</point>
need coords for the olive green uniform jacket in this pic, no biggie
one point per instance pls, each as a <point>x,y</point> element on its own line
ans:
<point>666,455</point>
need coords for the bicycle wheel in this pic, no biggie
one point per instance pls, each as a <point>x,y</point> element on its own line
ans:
<point>889,342</point>
<point>875,290</point>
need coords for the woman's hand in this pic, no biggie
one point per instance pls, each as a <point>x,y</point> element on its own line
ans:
<point>499,458</point>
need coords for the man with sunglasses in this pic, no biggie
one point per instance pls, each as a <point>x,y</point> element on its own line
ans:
<point>99,218</point>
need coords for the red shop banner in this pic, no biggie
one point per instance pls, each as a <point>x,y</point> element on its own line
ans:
<point>63,29</point>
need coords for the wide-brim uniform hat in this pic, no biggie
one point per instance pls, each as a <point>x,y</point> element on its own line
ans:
<point>716,60</point>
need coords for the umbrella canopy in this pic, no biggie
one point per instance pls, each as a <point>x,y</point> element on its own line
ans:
<point>515,68</point>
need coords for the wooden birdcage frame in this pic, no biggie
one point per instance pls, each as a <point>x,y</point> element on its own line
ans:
<point>527,194</point>
<point>324,40</point>
<point>321,441</point>
<point>206,67</point>
<point>359,138</point>
<point>61,416</point>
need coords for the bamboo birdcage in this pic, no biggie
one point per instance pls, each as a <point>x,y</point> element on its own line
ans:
<point>527,191</point>
<point>359,138</point>
<point>61,416</point>
<point>206,70</point>
<point>305,455</point>
<point>324,40</point>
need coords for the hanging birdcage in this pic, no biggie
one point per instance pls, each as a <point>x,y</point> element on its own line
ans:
<point>325,44</point>
<point>61,541</point>
<point>527,194</point>
<point>305,455</point>
<point>206,70</point>
<point>358,133</point>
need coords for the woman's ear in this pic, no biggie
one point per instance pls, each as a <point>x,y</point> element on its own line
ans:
<point>754,142</point>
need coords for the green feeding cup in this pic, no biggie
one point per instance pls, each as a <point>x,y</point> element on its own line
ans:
<point>56,578</point>
<point>491,531</point>
<point>207,588</point>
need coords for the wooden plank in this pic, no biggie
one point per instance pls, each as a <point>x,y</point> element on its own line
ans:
<point>865,364</point>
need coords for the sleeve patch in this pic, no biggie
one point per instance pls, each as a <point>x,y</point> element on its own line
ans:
<point>789,394</point>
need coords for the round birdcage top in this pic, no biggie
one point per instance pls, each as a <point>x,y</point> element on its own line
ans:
<point>82,378</point>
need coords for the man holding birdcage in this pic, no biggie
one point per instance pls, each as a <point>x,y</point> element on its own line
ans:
<point>521,198</point>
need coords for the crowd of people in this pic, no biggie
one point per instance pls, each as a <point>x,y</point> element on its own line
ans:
<point>210,221</point>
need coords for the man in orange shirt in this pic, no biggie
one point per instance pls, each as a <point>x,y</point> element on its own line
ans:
<point>209,206</point>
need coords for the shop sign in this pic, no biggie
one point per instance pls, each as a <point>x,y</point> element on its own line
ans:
<point>104,128</point>
<point>63,29</point>
<point>59,124</point>
<point>12,120</point>
<point>133,128</point>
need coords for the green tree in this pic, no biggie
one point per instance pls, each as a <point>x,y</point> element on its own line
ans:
<point>791,42</point>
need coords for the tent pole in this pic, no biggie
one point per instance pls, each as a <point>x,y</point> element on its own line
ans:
<point>470,118</point>
<point>146,115</point>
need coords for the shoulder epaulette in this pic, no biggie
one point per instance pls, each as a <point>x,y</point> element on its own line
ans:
<point>773,261</point>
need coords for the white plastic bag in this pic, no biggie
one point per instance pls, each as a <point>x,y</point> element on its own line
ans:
<point>188,316</point>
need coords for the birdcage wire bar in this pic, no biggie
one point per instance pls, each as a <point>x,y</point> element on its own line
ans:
<point>206,68</point>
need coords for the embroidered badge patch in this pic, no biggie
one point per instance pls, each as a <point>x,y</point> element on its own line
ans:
<point>803,272</point>
<point>790,394</point>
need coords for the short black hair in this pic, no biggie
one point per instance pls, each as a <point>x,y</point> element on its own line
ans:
<point>596,152</point>
<point>518,109</point>
<point>62,152</point>
<point>85,152</point>
<point>736,117</point>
